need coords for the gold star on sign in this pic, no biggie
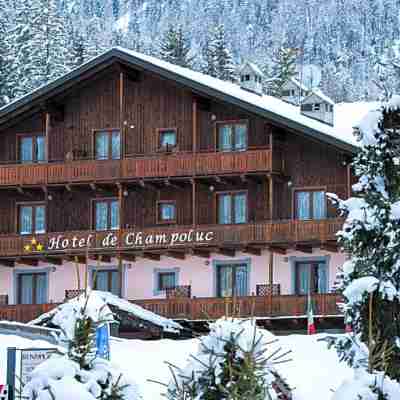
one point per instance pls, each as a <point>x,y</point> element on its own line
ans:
<point>27,247</point>
<point>33,241</point>
<point>39,247</point>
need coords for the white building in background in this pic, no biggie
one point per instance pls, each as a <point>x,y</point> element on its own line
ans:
<point>251,78</point>
<point>294,91</point>
<point>318,106</point>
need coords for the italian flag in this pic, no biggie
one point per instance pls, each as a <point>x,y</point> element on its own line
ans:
<point>310,317</point>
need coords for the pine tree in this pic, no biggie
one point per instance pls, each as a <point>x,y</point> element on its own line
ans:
<point>218,60</point>
<point>371,236</point>
<point>93,378</point>
<point>175,47</point>
<point>53,41</point>
<point>283,68</point>
<point>4,57</point>
<point>231,364</point>
<point>25,50</point>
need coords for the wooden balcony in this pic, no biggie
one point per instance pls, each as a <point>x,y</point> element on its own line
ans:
<point>161,165</point>
<point>290,306</point>
<point>212,308</point>
<point>279,233</point>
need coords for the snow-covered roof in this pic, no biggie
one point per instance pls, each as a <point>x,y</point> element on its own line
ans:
<point>318,92</point>
<point>165,324</point>
<point>253,67</point>
<point>298,84</point>
<point>278,111</point>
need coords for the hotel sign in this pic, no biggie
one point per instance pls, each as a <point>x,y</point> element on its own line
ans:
<point>132,239</point>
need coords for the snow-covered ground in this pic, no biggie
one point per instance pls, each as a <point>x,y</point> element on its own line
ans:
<point>314,372</point>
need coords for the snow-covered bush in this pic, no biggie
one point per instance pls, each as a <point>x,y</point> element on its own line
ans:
<point>231,363</point>
<point>80,374</point>
<point>371,277</point>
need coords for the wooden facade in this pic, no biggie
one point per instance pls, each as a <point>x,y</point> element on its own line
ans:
<point>274,164</point>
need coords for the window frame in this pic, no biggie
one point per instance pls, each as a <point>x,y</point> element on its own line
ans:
<point>35,275</point>
<point>109,272</point>
<point>107,200</point>
<point>34,205</point>
<point>32,135</point>
<point>159,280</point>
<point>314,266</point>
<point>109,131</point>
<point>233,194</point>
<point>311,210</point>
<point>158,210</point>
<point>232,123</point>
<point>160,132</point>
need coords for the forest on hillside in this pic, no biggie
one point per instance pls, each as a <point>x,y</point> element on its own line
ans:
<point>353,42</point>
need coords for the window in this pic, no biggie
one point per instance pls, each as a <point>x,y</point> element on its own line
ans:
<point>32,288</point>
<point>310,204</point>
<point>293,92</point>
<point>106,214</point>
<point>317,106</point>
<point>166,212</point>
<point>286,93</point>
<point>108,145</point>
<point>167,139</point>
<point>331,108</point>
<point>166,280</point>
<point>31,218</point>
<point>306,107</point>
<point>232,208</point>
<point>232,280</point>
<point>232,136</point>
<point>247,77</point>
<point>311,277</point>
<point>32,149</point>
<point>106,281</point>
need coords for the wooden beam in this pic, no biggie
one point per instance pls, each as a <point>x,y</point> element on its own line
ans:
<point>304,248</point>
<point>100,257</point>
<point>271,198</point>
<point>168,183</point>
<point>7,262</point>
<point>277,249</point>
<point>53,260</point>
<point>271,270</point>
<point>146,185</point>
<point>218,179</point>
<point>128,257</point>
<point>331,247</point>
<point>256,251</point>
<point>194,125</point>
<point>80,259</point>
<point>33,262</point>
<point>152,256</point>
<point>180,255</point>
<point>47,135</point>
<point>203,253</point>
<point>194,214</point>
<point>229,252</point>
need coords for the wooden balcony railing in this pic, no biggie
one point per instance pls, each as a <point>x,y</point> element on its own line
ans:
<point>257,306</point>
<point>207,308</point>
<point>173,237</point>
<point>159,165</point>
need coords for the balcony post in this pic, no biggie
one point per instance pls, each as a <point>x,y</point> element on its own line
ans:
<point>271,197</point>
<point>271,278</point>
<point>194,127</point>
<point>121,112</point>
<point>47,128</point>
<point>120,244</point>
<point>194,216</point>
